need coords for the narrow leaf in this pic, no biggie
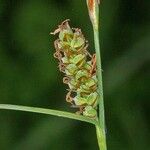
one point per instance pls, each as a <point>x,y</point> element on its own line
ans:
<point>48,112</point>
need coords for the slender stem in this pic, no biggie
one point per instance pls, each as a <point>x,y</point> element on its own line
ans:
<point>93,8</point>
<point>101,138</point>
<point>48,112</point>
<point>100,130</point>
<point>99,75</point>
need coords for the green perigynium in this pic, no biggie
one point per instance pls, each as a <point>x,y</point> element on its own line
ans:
<point>79,68</point>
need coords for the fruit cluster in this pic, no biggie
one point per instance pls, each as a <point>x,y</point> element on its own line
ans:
<point>79,68</point>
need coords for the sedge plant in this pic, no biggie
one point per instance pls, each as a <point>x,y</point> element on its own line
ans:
<point>82,73</point>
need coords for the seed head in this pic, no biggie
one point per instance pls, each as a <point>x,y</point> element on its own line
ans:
<point>79,67</point>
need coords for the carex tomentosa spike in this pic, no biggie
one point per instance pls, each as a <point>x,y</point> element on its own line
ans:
<point>79,68</point>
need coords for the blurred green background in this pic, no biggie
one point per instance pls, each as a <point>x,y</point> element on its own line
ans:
<point>29,74</point>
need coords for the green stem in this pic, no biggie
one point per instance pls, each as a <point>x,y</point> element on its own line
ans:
<point>101,138</point>
<point>93,8</point>
<point>48,112</point>
<point>101,130</point>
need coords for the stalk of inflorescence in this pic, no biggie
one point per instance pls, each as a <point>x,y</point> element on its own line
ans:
<point>93,8</point>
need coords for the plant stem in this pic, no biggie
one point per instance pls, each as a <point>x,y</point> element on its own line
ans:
<point>49,112</point>
<point>93,8</point>
<point>100,130</point>
<point>101,138</point>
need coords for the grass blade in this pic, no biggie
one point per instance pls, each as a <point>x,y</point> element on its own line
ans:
<point>48,112</point>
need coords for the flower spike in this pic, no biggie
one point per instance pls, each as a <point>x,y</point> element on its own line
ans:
<point>79,67</point>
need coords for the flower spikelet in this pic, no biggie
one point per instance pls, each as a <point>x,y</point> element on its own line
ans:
<point>79,67</point>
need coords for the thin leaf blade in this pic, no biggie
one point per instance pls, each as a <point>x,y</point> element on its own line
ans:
<point>52,112</point>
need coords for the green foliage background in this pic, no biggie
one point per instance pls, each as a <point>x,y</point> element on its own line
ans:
<point>29,74</point>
